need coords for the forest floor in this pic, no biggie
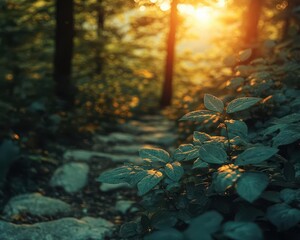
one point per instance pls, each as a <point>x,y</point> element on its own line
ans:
<point>28,204</point>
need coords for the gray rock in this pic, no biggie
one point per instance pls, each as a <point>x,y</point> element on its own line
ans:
<point>63,229</point>
<point>35,204</point>
<point>64,177</point>
<point>152,118</point>
<point>124,205</point>
<point>137,127</point>
<point>129,149</point>
<point>161,139</point>
<point>84,155</point>
<point>107,187</point>
<point>115,138</point>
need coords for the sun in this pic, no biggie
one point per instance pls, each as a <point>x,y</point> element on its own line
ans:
<point>204,14</point>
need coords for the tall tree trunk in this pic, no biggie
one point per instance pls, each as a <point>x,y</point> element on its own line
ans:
<point>251,21</point>
<point>100,28</point>
<point>167,91</point>
<point>64,33</point>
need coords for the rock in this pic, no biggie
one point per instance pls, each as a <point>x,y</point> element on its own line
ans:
<point>137,127</point>
<point>84,155</point>
<point>35,204</point>
<point>130,149</point>
<point>152,118</point>
<point>64,177</point>
<point>124,205</point>
<point>79,155</point>
<point>162,139</point>
<point>107,187</point>
<point>62,229</point>
<point>115,138</point>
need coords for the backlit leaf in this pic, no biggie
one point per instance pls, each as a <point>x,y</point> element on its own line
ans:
<point>174,170</point>
<point>245,55</point>
<point>199,115</point>
<point>240,104</point>
<point>150,181</point>
<point>213,103</point>
<point>212,153</point>
<point>155,155</point>
<point>255,155</point>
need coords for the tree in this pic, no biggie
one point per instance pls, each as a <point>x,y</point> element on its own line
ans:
<point>251,21</point>
<point>64,34</point>
<point>167,91</point>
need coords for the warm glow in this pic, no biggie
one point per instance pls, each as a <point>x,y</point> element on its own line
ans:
<point>222,3</point>
<point>165,6</point>
<point>203,14</point>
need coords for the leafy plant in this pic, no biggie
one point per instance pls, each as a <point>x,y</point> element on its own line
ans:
<point>178,189</point>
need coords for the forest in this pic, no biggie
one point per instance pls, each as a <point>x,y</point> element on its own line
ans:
<point>149,119</point>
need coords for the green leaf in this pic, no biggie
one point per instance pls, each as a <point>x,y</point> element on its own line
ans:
<point>236,128</point>
<point>166,234</point>
<point>286,136</point>
<point>155,155</point>
<point>186,152</point>
<point>290,195</point>
<point>226,176</point>
<point>117,175</point>
<point>213,103</point>
<point>199,115</point>
<point>200,164</point>
<point>150,181</point>
<point>240,104</point>
<point>255,155</point>
<point>174,171</point>
<point>200,137</point>
<point>251,185</point>
<point>235,82</point>
<point>283,216</point>
<point>211,153</point>
<point>291,118</point>
<point>204,225</point>
<point>242,231</point>
<point>245,54</point>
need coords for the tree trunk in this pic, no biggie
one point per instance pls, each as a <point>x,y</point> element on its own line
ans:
<point>100,28</point>
<point>167,91</point>
<point>251,21</point>
<point>64,33</point>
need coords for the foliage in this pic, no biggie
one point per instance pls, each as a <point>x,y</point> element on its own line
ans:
<point>204,175</point>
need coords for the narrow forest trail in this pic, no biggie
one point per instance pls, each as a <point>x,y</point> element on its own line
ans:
<point>67,202</point>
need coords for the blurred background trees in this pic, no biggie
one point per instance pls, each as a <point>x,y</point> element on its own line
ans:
<point>114,59</point>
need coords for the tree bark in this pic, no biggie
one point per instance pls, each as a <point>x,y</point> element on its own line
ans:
<point>64,33</point>
<point>251,21</point>
<point>167,92</point>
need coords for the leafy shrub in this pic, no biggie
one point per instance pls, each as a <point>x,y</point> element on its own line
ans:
<point>220,185</point>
